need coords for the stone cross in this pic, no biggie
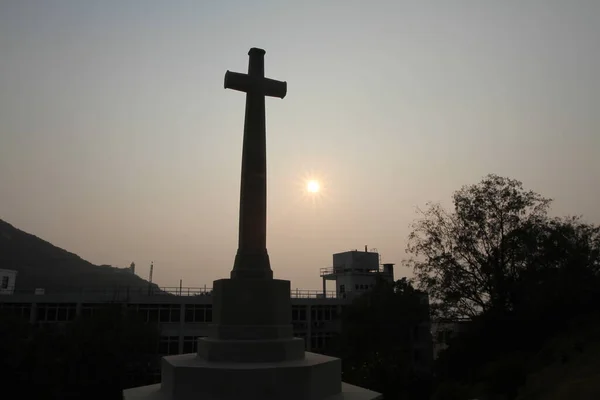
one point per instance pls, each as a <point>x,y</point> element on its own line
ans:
<point>252,259</point>
<point>250,351</point>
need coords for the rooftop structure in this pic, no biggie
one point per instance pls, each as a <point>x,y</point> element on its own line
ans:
<point>355,271</point>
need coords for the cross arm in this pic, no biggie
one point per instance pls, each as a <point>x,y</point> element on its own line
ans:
<point>247,83</point>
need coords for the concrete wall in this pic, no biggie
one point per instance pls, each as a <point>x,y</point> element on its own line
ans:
<point>8,280</point>
<point>356,260</point>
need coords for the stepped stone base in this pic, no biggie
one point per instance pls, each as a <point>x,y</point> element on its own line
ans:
<point>253,350</point>
<point>251,354</point>
<point>188,377</point>
<point>252,323</point>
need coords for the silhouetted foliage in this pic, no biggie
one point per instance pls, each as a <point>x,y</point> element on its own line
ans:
<point>520,275</point>
<point>376,343</point>
<point>95,357</point>
<point>468,259</point>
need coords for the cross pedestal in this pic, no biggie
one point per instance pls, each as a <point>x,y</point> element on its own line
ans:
<point>251,352</point>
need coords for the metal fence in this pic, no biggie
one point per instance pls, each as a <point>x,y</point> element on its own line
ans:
<point>157,291</point>
<point>327,271</point>
<point>312,294</point>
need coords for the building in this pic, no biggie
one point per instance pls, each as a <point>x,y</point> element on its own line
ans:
<point>355,271</point>
<point>8,279</point>
<point>184,314</point>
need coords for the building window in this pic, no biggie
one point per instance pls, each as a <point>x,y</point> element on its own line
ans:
<point>190,344</point>
<point>316,313</point>
<point>356,286</point>
<point>90,309</point>
<point>169,313</point>
<point>53,312</point>
<point>168,345</point>
<point>299,320</point>
<point>323,313</point>
<point>298,313</point>
<point>4,284</point>
<point>149,312</point>
<point>320,341</point>
<point>22,310</point>
<point>198,313</point>
<point>153,313</point>
<point>342,288</point>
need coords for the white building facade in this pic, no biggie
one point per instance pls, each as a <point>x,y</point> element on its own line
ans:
<point>8,279</point>
<point>355,272</point>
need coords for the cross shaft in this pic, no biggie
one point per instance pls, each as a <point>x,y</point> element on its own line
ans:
<point>252,259</point>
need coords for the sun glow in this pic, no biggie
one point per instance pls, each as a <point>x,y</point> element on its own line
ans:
<point>313,186</point>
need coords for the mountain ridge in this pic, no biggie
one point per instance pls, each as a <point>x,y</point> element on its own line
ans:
<point>40,264</point>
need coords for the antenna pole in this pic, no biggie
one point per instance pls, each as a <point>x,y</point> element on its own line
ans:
<point>150,281</point>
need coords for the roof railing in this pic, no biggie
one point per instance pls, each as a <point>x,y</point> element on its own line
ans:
<point>120,292</point>
<point>342,269</point>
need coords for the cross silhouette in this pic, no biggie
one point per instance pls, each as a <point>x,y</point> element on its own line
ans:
<point>252,259</point>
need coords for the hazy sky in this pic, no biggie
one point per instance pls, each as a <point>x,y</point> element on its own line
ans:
<point>119,143</point>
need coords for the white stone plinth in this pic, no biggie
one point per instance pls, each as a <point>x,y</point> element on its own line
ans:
<point>188,377</point>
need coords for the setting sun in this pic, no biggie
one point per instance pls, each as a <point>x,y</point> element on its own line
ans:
<point>313,186</point>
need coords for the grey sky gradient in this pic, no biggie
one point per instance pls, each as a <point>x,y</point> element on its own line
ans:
<point>119,143</point>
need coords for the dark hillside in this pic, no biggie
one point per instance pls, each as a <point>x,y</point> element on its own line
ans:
<point>43,265</point>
